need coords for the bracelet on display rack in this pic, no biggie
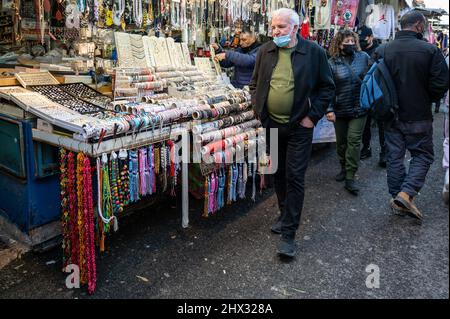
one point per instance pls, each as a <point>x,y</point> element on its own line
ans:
<point>160,69</point>
<point>157,85</point>
<point>169,75</point>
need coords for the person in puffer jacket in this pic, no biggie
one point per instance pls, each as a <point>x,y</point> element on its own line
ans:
<point>349,65</point>
<point>243,59</point>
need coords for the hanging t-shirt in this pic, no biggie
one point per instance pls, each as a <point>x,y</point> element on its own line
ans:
<point>344,12</point>
<point>322,18</point>
<point>381,20</point>
<point>304,29</point>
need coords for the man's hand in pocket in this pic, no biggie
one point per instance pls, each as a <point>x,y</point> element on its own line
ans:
<point>307,123</point>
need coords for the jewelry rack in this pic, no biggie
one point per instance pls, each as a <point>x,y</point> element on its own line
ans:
<point>35,78</point>
<point>88,94</point>
<point>57,94</point>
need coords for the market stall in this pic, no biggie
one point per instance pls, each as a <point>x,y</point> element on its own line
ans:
<point>108,104</point>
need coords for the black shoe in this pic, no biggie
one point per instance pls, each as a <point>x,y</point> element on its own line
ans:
<point>366,152</point>
<point>286,248</point>
<point>382,162</point>
<point>276,228</point>
<point>350,185</point>
<point>341,176</point>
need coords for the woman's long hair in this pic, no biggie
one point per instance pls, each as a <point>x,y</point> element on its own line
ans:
<point>338,39</point>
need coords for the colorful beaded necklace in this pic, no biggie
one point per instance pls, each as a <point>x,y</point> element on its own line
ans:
<point>65,208</point>
<point>88,202</point>
<point>81,217</point>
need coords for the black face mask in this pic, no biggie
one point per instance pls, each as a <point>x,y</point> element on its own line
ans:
<point>349,49</point>
<point>364,44</point>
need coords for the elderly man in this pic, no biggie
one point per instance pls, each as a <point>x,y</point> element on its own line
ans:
<point>291,88</point>
<point>243,58</point>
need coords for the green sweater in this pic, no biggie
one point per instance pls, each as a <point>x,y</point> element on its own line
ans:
<point>281,94</point>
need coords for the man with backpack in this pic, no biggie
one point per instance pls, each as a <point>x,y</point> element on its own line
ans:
<point>420,76</point>
<point>369,45</point>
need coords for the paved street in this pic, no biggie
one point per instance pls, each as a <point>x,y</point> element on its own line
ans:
<point>232,255</point>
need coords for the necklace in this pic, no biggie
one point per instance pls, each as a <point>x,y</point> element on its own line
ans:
<point>164,166</point>
<point>80,217</point>
<point>229,185</point>
<point>151,156</point>
<point>244,182</point>
<point>211,194</point>
<point>115,181</point>
<point>119,9</point>
<point>137,12</point>
<point>253,174</point>
<point>220,193</point>
<point>89,226</point>
<point>65,207</point>
<point>134,176</point>
<point>142,154</point>
<point>171,165</point>
<point>73,226</point>
<point>107,206</point>
<point>124,182</point>
<point>206,195</point>
<point>157,158</point>
<point>240,180</point>
<point>234,182</point>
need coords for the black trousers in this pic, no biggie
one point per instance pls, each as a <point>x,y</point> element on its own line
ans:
<point>367,134</point>
<point>294,152</point>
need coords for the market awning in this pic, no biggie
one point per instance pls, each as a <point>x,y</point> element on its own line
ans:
<point>430,12</point>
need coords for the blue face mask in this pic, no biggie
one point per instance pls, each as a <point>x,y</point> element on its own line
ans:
<point>282,41</point>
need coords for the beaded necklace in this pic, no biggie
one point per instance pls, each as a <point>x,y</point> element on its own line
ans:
<point>66,245</point>
<point>107,204</point>
<point>137,12</point>
<point>253,174</point>
<point>103,223</point>
<point>143,171</point>
<point>174,167</point>
<point>164,166</point>
<point>216,191</point>
<point>124,181</point>
<point>229,185</point>
<point>206,195</point>
<point>151,160</point>
<point>241,181</point>
<point>244,180</point>
<point>89,226</point>
<point>234,182</point>
<point>73,212</point>
<point>115,183</point>
<point>81,217</point>
<point>157,157</point>
<point>211,193</point>
<point>134,176</point>
<point>220,192</point>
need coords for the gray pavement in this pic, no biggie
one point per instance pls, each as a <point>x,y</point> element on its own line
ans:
<point>232,255</point>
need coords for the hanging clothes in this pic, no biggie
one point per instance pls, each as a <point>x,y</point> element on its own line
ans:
<point>304,31</point>
<point>322,17</point>
<point>381,20</point>
<point>344,12</point>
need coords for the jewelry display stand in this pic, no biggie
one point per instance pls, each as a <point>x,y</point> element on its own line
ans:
<point>35,78</point>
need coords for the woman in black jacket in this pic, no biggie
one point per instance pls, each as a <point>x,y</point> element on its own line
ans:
<point>349,65</point>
